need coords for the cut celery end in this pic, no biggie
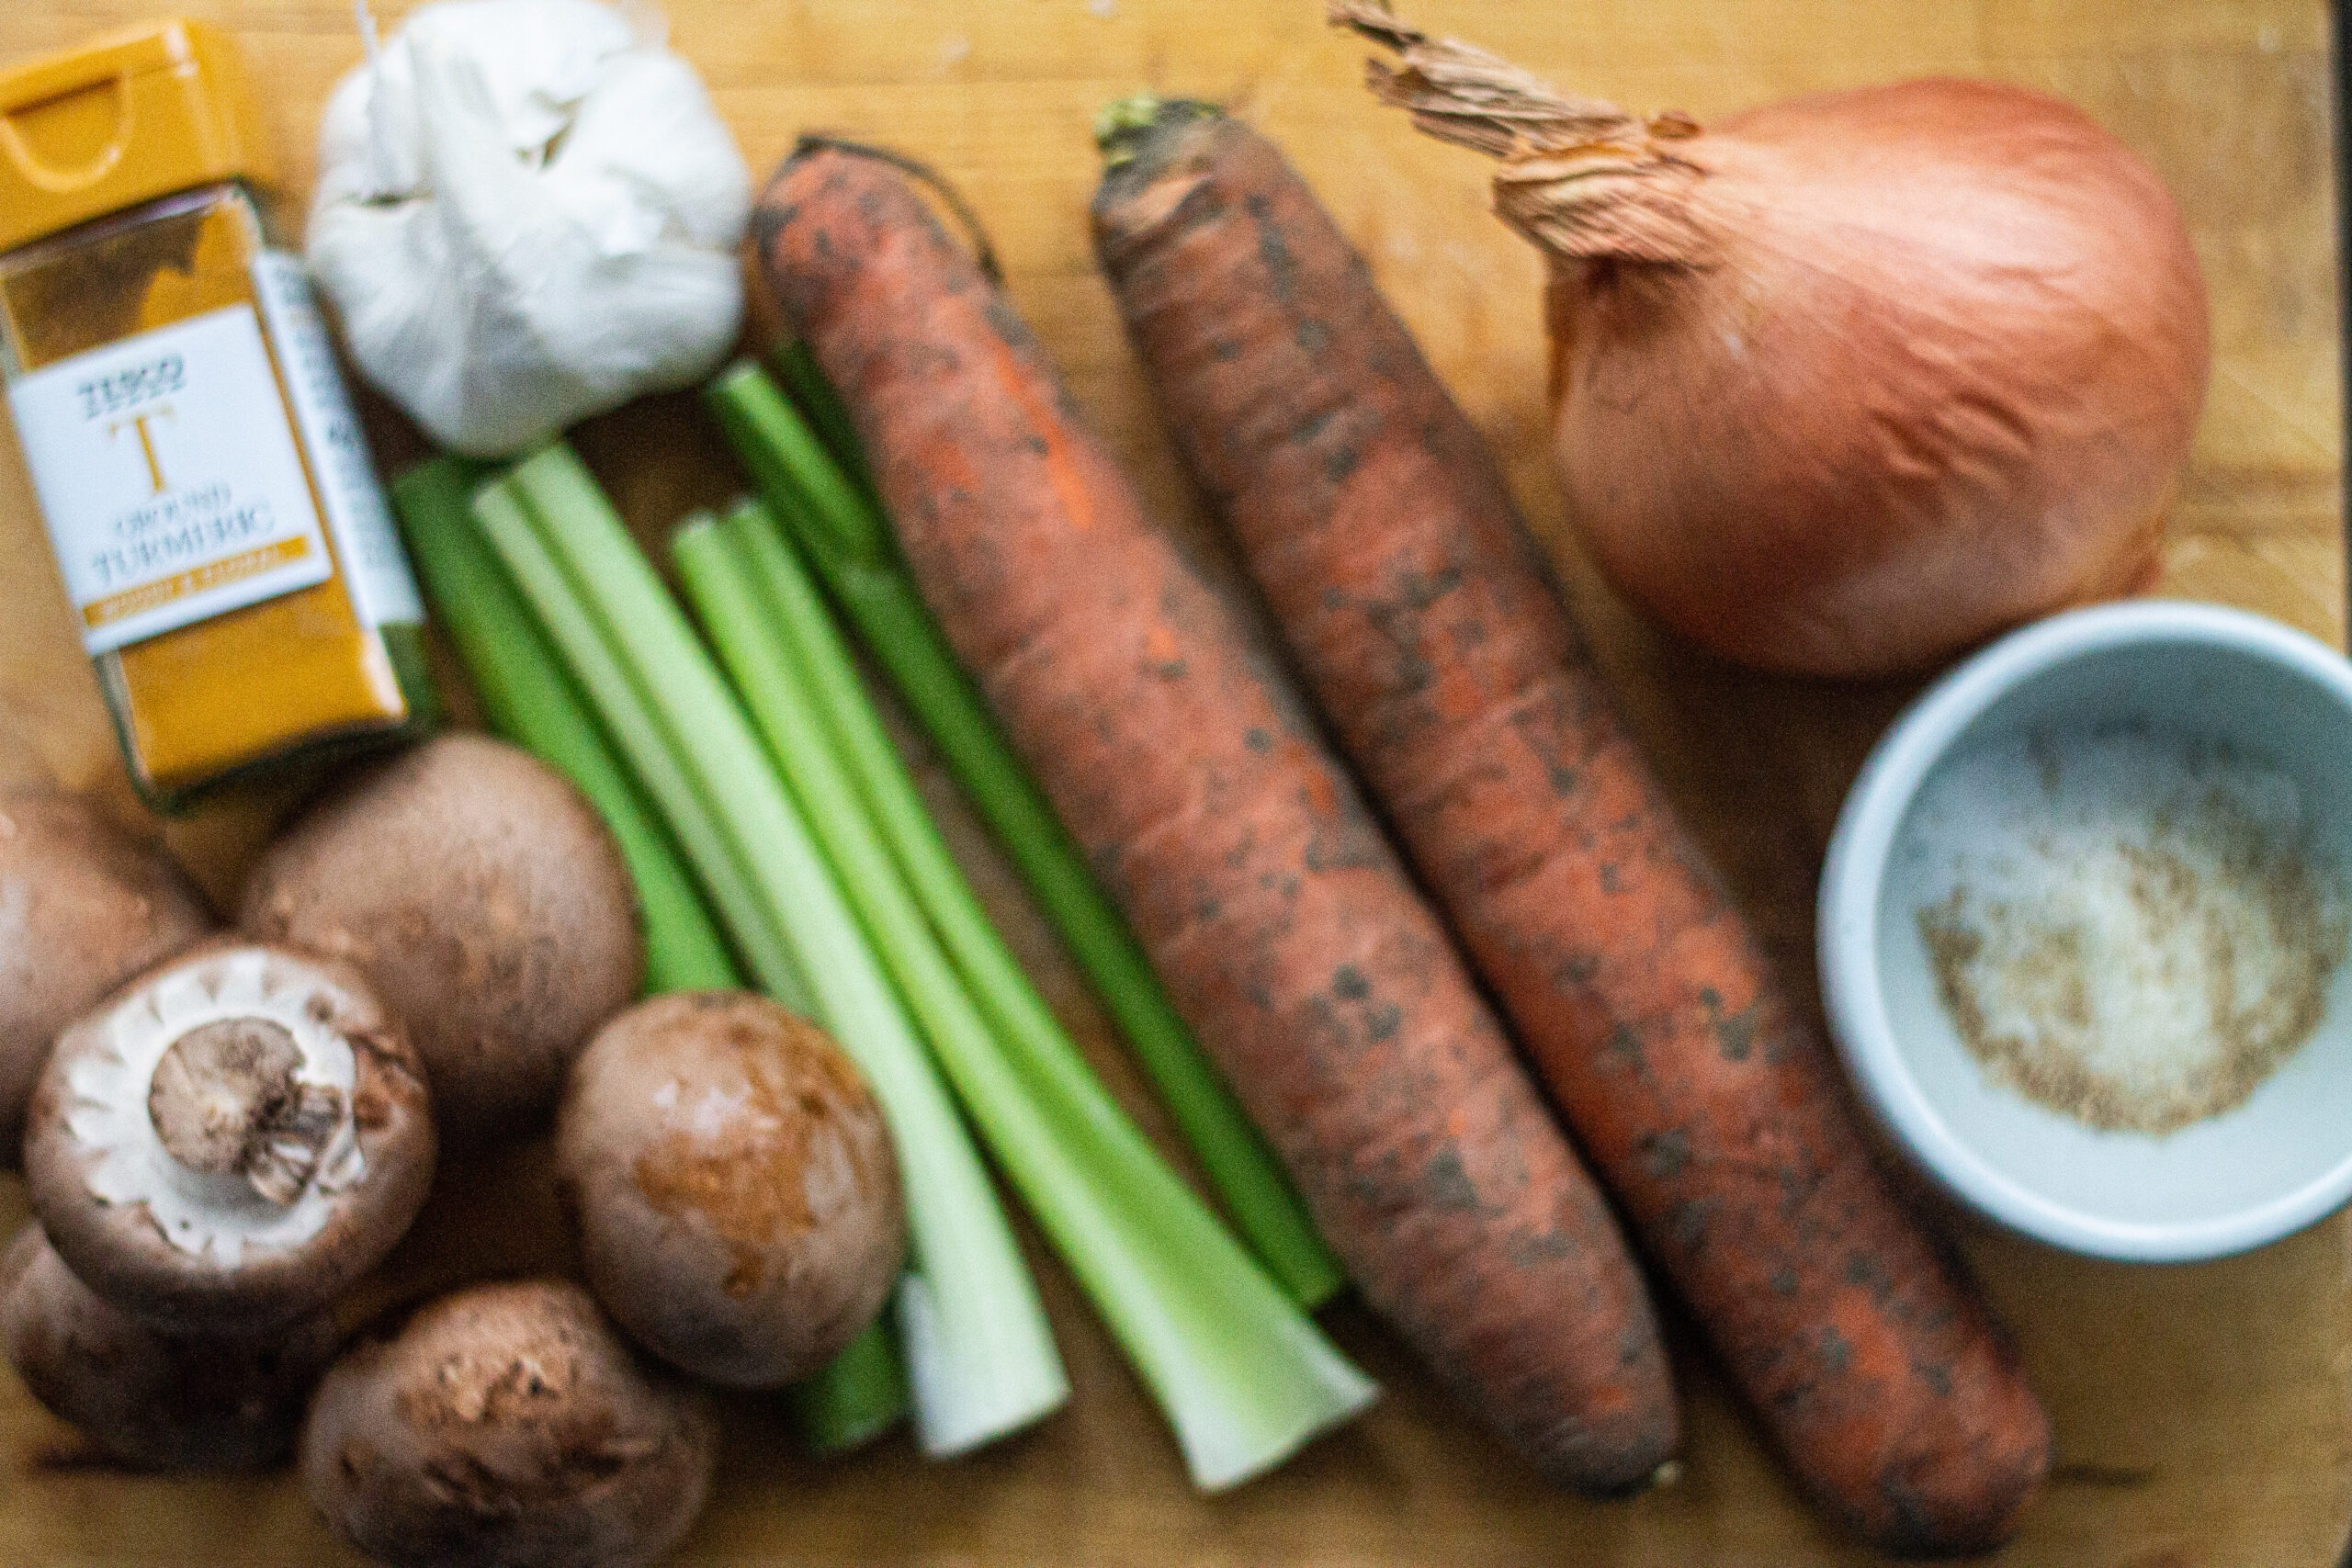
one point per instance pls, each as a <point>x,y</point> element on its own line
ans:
<point>854,1398</point>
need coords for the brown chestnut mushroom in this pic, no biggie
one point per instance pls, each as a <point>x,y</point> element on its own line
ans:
<point>144,1396</point>
<point>506,1426</point>
<point>733,1184</point>
<point>232,1140</point>
<point>84,907</point>
<point>488,902</point>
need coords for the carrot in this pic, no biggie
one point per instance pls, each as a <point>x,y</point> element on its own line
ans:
<point>1283,923</point>
<point>1380,530</point>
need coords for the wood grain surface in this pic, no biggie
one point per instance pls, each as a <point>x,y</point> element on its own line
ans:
<point>2204,1415</point>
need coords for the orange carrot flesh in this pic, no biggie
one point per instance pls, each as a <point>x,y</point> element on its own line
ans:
<point>1286,930</point>
<point>1379,528</point>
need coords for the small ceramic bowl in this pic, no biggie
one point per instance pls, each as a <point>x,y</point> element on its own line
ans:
<point>2233,1181</point>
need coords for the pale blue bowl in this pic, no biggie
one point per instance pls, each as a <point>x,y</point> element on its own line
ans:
<point>2230,1182</point>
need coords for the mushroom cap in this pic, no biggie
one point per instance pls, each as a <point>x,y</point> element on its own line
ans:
<point>489,903</point>
<point>232,1261</point>
<point>84,908</point>
<point>507,1427</point>
<point>146,1397</point>
<point>733,1184</point>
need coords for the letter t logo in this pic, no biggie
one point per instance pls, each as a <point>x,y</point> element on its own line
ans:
<point>146,440</point>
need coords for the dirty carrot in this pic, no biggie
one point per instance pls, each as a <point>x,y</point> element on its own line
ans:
<point>1287,932</point>
<point>1381,531</point>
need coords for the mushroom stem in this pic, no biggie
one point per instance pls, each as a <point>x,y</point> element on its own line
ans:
<point>226,1100</point>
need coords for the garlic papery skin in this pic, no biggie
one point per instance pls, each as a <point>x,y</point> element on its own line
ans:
<point>527,213</point>
<point>214,1215</point>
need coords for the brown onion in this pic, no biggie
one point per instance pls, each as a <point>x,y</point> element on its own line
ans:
<point>1849,382</point>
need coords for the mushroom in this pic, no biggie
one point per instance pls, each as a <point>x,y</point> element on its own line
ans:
<point>84,907</point>
<point>232,1140</point>
<point>506,1426</point>
<point>733,1186</point>
<point>485,899</point>
<point>147,1397</point>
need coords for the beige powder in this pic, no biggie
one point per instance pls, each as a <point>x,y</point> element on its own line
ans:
<point>2131,928</point>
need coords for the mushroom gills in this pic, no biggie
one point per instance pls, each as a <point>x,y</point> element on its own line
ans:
<point>222,1101</point>
<point>232,1141</point>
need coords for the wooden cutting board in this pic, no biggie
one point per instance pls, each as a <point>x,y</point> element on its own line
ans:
<point>2204,1415</point>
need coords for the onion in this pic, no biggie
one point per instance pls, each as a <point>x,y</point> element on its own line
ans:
<point>1849,382</point>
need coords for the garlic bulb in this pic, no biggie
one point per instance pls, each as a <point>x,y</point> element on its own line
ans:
<point>526,213</point>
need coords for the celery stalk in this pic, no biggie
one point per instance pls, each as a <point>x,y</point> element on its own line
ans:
<point>980,1358</point>
<point>847,539</point>
<point>805,380</point>
<point>688,818</point>
<point>853,1398</point>
<point>1242,1373</point>
<point>529,699</point>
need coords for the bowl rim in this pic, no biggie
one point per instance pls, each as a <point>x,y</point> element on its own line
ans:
<point>1847,922</point>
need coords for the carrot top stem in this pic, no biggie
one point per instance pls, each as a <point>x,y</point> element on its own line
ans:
<point>1122,123</point>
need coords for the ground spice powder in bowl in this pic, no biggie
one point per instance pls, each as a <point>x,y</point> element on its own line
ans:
<point>2129,925</point>
<point>2084,923</point>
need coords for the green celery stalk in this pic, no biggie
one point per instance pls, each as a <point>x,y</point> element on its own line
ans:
<point>532,702</point>
<point>854,1398</point>
<point>529,699</point>
<point>980,1358</point>
<point>846,537</point>
<point>1239,1369</point>
<point>805,380</point>
<point>688,818</point>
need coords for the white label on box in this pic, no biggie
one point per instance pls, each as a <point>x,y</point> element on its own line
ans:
<point>169,478</point>
<point>375,568</point>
